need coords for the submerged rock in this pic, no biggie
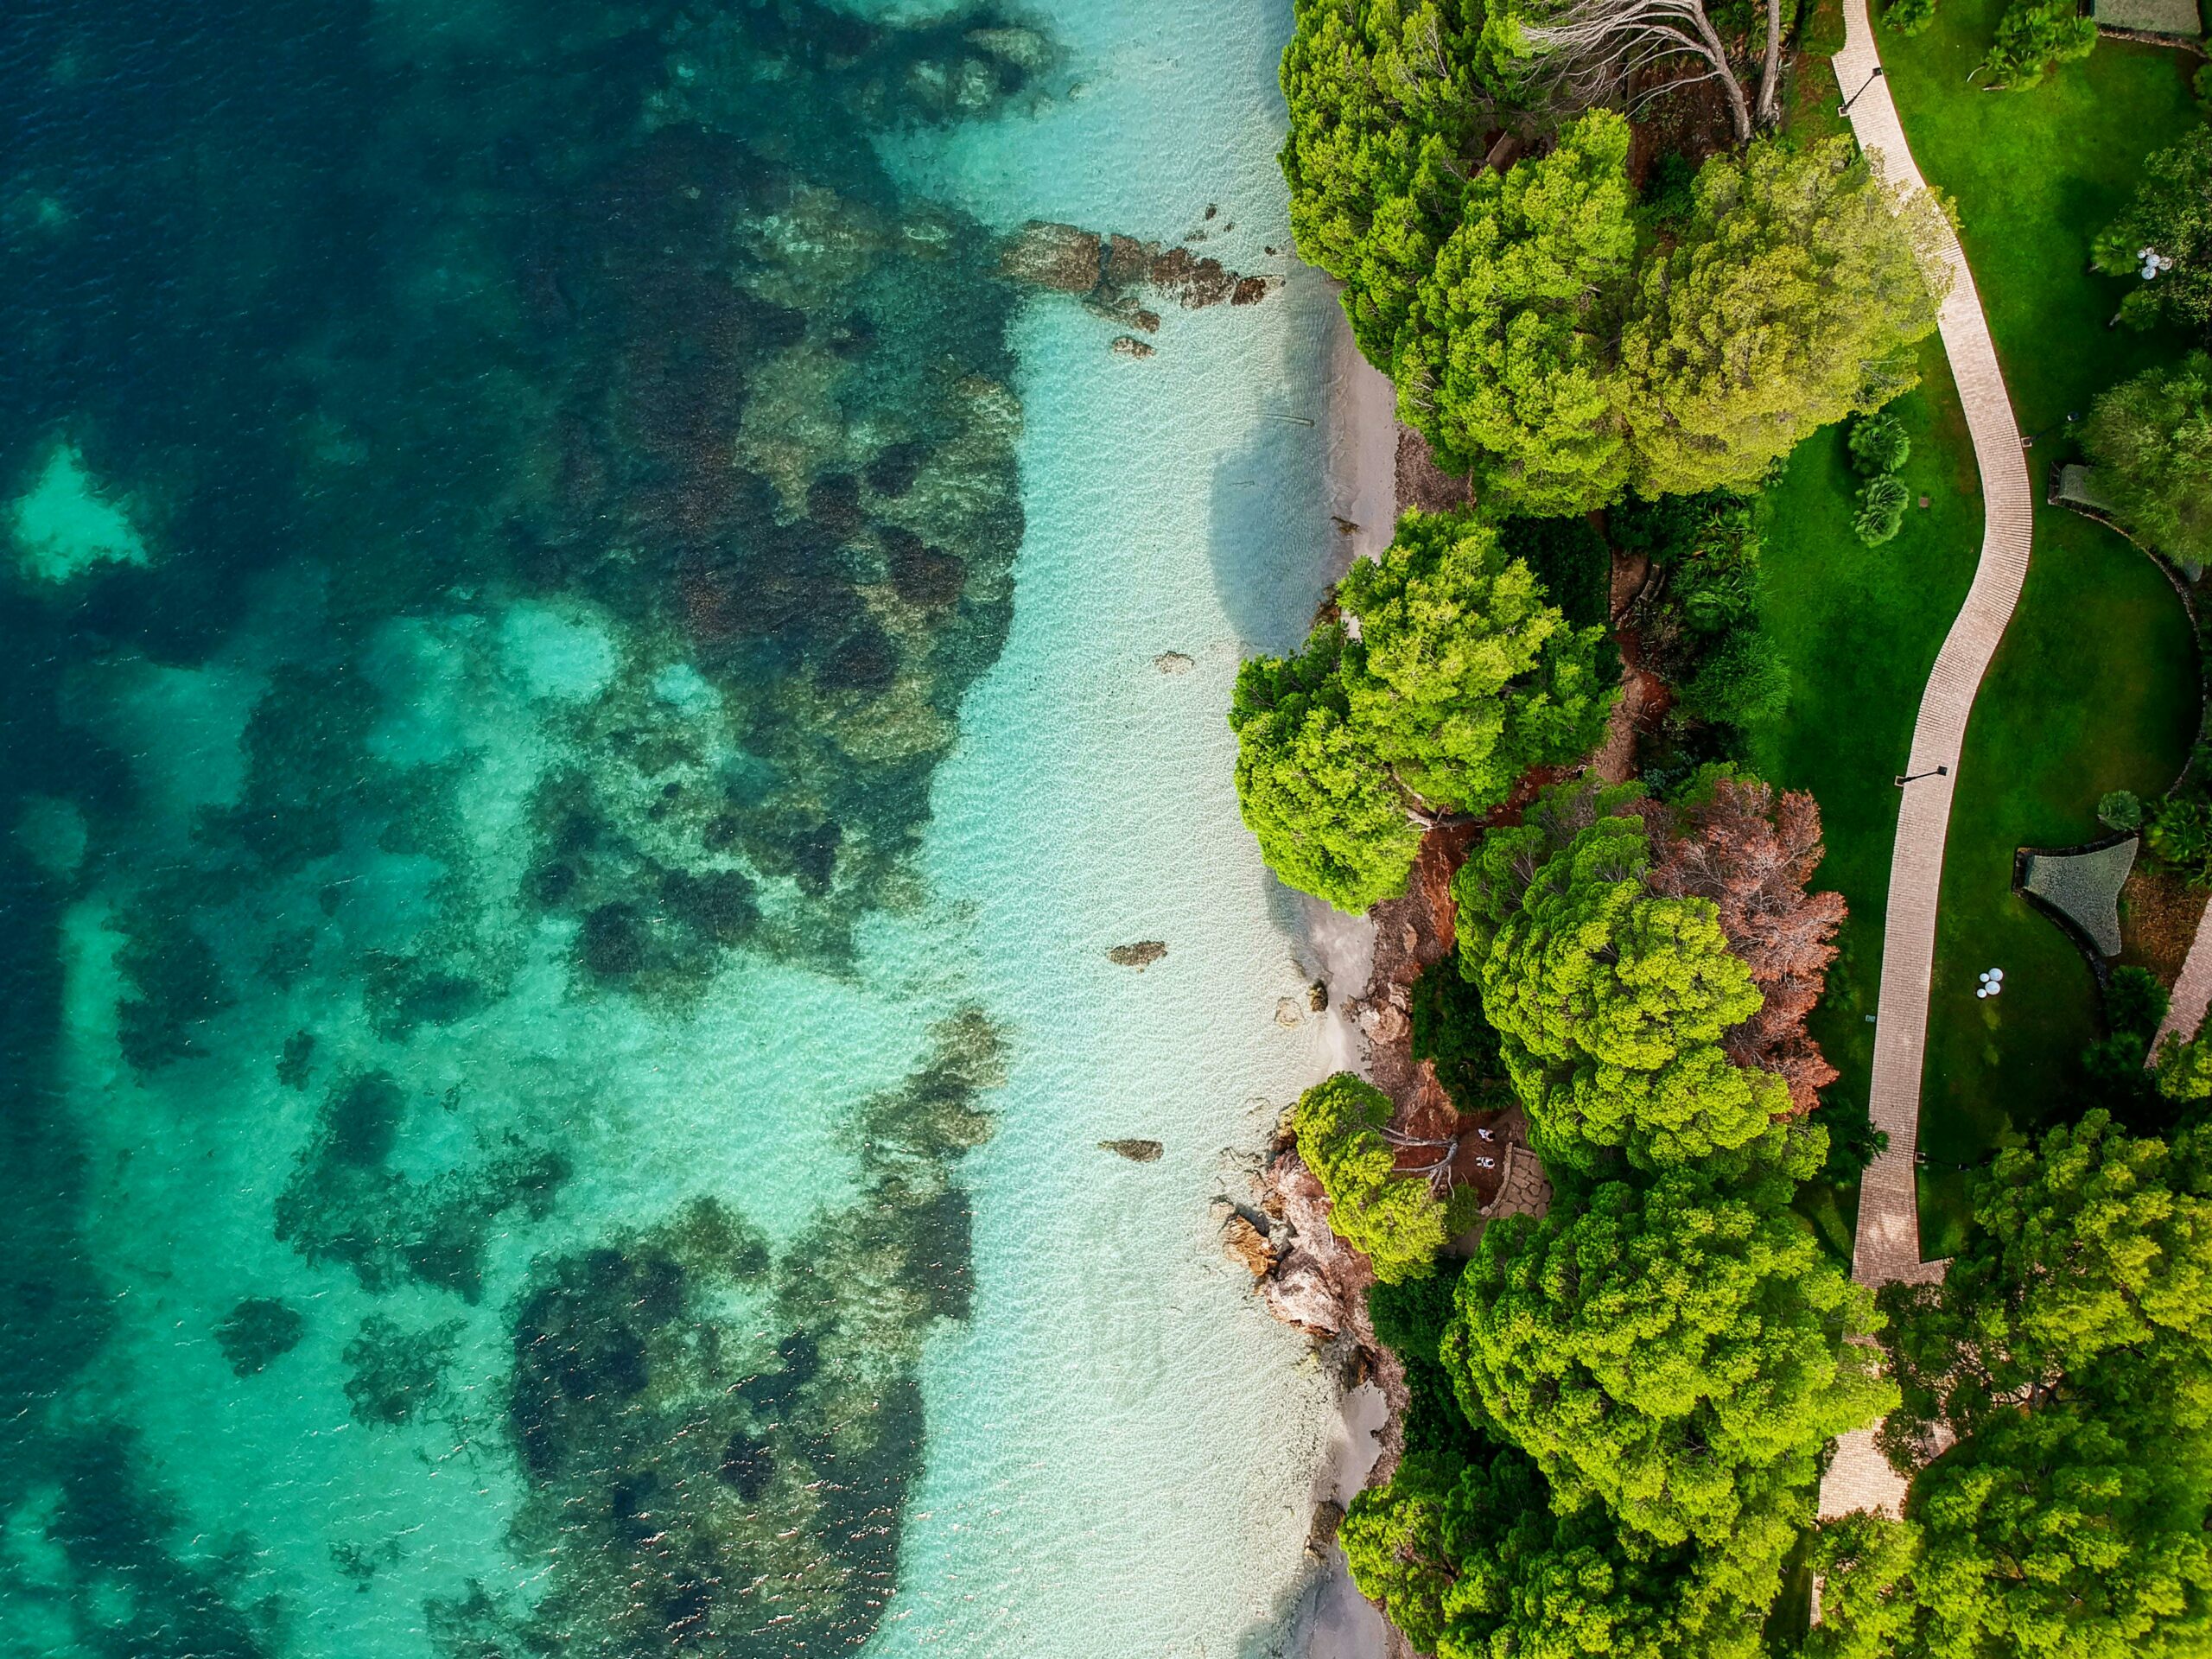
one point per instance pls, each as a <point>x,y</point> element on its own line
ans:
<point>1130,345</point>
<point>1023,47</point>
<point>1139,956</point>
<point>1064,258</point>
<point>398,1375</point>
<point>1128,261</point>
<point>1137,1152</point>
<point>1107,273</point>
<point>1195,283</point>
<point>258,1329</point>
<point>1174,662</point>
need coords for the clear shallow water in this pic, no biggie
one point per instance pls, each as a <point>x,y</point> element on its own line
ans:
<point>581,720</point>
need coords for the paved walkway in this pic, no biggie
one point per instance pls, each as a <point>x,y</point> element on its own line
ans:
<point>1888,1245</point>
<point>2193,990</point>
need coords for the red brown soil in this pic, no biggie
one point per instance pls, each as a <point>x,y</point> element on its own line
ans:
<point>2158,913</point>
<point>1413,934</point>
<point>1644,695</point>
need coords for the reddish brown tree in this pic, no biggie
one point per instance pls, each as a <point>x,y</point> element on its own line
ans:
<point>1751,851</point>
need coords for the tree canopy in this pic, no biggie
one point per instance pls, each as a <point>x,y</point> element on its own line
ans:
<point>2172,215</point>
<point>2062,1532</point>
<point>1791,298</point>
<point>1460,680</point>
<point>1465,674</point>
<point>1475,1560</point>
<point>1867,1605</point>
<point>1611,1002</point>
<point>2150,439</point>
<point>1531,342</point>
<point>1396,1219</point>
<point>1502,362</point>
<point>2093,1243</point>
<point>2032,37</point>
<point>1675,1351</point>
<point>1386,113</point>
<point>1645,1376</point>
<point>1329,820</point>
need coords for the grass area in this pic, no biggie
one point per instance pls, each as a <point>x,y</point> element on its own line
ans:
<point>2093,690</point>
<point>1860,627</point>
<point>2095,685</point>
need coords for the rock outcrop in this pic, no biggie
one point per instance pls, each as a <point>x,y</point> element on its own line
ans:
<point>1248,1246</point>
<point>1109,274</point>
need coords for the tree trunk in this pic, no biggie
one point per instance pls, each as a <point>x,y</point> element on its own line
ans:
<point>1739,110</point>
<point>1770,74</point>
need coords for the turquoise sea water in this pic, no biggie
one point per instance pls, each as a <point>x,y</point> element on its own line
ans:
<point>580,720</point>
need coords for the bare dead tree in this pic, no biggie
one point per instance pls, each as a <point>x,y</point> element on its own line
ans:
<point>1599,51</point>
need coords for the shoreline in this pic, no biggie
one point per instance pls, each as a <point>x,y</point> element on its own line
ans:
<point>1335,1621</point>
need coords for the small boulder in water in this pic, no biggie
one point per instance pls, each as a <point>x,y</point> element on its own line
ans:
<point>1130,345</point>
<point>1137,1152</point>
<point>1139,955</point>
<point>1317,995</point>
<point>1328,1515</point>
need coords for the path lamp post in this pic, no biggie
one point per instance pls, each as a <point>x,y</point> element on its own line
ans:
<point>1904,778</point>
<point>1844,108</point>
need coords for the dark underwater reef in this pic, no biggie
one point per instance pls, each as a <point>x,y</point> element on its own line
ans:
<point>375,316</point>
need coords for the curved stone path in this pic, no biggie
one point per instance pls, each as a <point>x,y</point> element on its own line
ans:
<point>1888,1244</point>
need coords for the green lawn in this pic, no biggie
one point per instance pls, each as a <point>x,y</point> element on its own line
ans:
<point>1860,627</point>
<point>2095,685</point>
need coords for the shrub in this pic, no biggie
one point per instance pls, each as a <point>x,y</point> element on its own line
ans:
<point>1713,573</point>
<point>1909,16</point>
<point>1853,1141</point>
<point>1882,503</point>
<point>2121,810</point>
<point>2181,833</point>
<point>1878,444</point>
<point>1410,1317</point>
<point>1745,683</point>
<point>2201,83</point>
<point>2031,36</point>
<point>2112,1065</point>
<point>2185,1068</point>
<point>1570,559</point>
